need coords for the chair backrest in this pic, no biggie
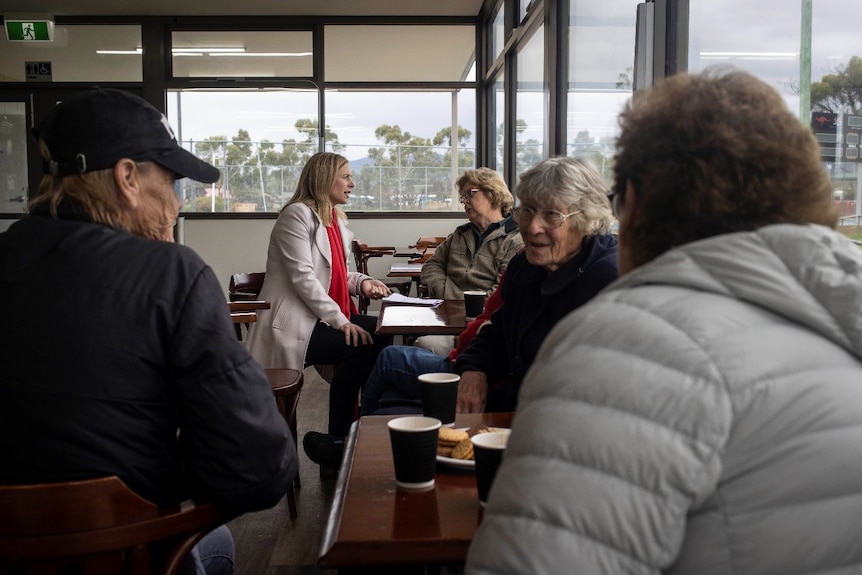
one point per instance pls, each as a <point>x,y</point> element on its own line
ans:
<point>245,286</point>
<point>362,252</point>
<point>359,256</point>
<point>428,242</point>
<point>96,526</point>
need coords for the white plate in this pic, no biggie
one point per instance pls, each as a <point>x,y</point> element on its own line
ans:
<point>462,463</point>
<point>457,463</point>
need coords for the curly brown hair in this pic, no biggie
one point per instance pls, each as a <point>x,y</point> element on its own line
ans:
<point>714,153</point>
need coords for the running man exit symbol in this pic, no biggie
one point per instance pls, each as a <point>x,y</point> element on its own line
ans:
<point>29,30</point>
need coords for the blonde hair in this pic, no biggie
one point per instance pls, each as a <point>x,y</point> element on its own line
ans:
<point>492,184</point>
<point>95,192</point>
<point>315,183</point>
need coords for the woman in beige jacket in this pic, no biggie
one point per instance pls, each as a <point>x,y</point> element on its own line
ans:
<point>313,319</point>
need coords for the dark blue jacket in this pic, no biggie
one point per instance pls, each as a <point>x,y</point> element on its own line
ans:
<point>534,300</point>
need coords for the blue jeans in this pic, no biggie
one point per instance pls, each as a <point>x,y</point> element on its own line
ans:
<point>213,555</point>
<point>392,386</point>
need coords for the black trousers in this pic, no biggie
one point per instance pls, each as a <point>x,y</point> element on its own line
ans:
<point>352,367</point>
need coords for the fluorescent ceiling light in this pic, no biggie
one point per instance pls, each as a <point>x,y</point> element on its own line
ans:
<point>749,55</point>
<point>212,52</point>
<point>268,54</point>
<point>135,52</point>
<point>206,50</point>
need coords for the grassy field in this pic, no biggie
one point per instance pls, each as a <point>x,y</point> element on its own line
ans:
<point>852,232</point>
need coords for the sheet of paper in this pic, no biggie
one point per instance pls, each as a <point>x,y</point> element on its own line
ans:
<point>397,298</point>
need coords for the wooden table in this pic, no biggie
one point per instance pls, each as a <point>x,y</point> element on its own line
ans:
<point>239,317</point>
<point>449,318</point>
<point>372,524</point>
<point>247,305</point>
<point>411,253</point>
<point>245,312</point>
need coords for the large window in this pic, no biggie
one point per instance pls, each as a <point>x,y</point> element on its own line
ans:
<point>531,115</point>
<point>601,57</point>
<point>497,122</point>
<point>406,145</point>
<point>592,73</point>
<point>403,160</point>
<point>816,67</point>
<point>259,139</point>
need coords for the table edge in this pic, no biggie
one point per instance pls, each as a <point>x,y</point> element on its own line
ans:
<point>333,522</point>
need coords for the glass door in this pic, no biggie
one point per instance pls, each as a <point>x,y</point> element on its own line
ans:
<point>20,162</point>
<point>14,185</point>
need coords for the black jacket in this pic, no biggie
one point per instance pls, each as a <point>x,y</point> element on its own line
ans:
<point>119,358</point>
<point>534,300</point>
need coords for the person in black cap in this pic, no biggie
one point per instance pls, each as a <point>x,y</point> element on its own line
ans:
<point>123,360</point>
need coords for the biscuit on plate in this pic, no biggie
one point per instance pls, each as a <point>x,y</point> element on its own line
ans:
<point>449,436</point>
<point>463,450</point>
<point>445,450</point>
<point>477,429</point>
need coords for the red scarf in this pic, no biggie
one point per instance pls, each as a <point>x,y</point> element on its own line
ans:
<point>338,284</point>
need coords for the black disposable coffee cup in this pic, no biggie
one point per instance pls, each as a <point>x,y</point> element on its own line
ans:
<point>488,450</point>
<point>474,302</point>
<point>414,451</point>
<point>440,396</point>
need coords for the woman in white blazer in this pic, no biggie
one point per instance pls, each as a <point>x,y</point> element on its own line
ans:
<point>313,319</point>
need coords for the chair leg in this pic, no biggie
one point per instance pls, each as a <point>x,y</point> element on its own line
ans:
<point>287,406</point>
<point>291,502</point>
<point>291,423</point>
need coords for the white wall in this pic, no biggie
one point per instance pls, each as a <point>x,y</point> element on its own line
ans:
<point>232,245</point>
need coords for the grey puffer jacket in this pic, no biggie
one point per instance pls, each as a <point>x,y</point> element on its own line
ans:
<point>702,415</point>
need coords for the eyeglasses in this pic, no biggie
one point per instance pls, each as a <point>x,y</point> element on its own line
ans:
<point>549,219</point>
<point>614,199</point>
<point>469,196</point>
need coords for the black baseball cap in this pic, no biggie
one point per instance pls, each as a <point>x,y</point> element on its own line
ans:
<point>93,130</point>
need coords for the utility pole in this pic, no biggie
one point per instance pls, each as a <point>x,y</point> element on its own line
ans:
<point>805,64</point>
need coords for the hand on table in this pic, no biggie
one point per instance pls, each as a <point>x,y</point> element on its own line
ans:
<point>374,289</point>
<point>472,392</point>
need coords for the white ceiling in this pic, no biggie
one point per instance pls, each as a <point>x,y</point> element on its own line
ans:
<point>244,8</point>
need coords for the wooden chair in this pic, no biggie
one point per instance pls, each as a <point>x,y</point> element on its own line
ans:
<point>362,252</point>
<point>245,312</point>
<point>244,286</point>
<point>286,385</point>
<point>429,242</point>
<point>95,527</point>
<point>426,255</point>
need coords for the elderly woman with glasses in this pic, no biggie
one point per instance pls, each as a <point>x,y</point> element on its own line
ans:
<point>474,256</point>
<point>569,256</point>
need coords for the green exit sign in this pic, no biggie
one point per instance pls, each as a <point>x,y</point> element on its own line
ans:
<point>30,30</point>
